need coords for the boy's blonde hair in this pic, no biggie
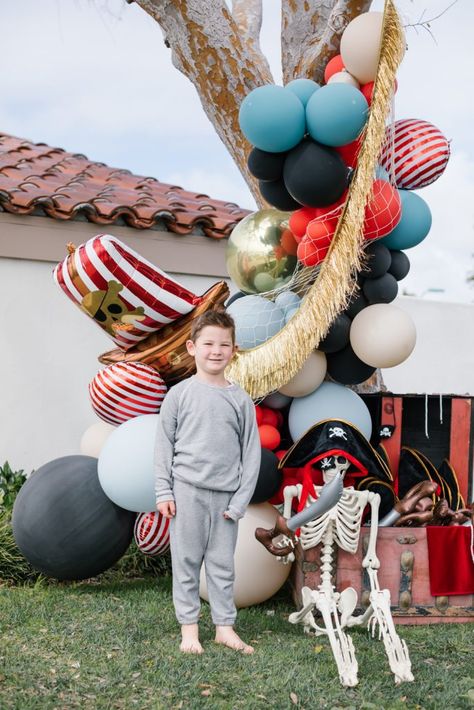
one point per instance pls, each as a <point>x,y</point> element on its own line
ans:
<point>218,318</point>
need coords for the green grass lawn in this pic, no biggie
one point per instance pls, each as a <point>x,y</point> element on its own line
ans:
<point>115,645</point>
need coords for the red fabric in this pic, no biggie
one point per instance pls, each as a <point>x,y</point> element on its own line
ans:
<point>450,560</point>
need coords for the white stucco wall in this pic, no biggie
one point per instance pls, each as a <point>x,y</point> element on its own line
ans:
<point>49,350</point>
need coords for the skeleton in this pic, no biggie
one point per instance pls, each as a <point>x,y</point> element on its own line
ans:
<point>341,525</point>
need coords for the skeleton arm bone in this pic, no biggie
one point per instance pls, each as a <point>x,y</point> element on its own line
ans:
<point>371,560</point>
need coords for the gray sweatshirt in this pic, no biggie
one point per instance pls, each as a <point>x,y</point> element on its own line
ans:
<point>208,436</point>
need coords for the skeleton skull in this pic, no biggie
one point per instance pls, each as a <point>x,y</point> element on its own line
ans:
<point>332,465</point>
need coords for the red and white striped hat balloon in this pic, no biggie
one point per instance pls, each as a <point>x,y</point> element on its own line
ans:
<point>125,390</point>
<point>152,534</point>
<point>415,152</point>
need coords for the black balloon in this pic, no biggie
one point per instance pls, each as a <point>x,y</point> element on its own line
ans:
<point>266,166</point>
<point>345,367</point>
<point>356,304</point>
<point>269,477</point>
<point>65,525</point>
<point>337,336</point>
<point>378,261</point>
<point>400,265</point>
<point>276,194</point>
<point>315,175</point>
<point>381,290</point>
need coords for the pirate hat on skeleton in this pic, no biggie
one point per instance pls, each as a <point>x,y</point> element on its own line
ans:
<point>333,438</point>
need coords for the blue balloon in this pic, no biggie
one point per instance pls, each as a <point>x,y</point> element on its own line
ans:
<point>303,89</point>
<point>414,224</point>
<point>287,300</point>
<point>256,320</point>
<point>329,401</point>
<point>272,118</point>
<point>125,465</point>
<point>336,114</point>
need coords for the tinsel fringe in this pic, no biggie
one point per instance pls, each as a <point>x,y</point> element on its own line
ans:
<point>269,366</point>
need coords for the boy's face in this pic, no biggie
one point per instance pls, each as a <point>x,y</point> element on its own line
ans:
<point>212,350</point>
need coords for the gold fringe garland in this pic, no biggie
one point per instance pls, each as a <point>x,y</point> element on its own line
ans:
<point>269,366</point>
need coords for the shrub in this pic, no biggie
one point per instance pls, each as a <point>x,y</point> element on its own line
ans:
<point>10,484</point>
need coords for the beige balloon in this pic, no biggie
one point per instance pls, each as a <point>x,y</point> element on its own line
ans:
<point>360,46</point>
<point>94,438</point>
<point>258,574</point>
<point>343,77</point>
<point>308,378</point>
<point>383,335</point>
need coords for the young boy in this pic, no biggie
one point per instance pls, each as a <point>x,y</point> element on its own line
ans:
<point>207,459</point>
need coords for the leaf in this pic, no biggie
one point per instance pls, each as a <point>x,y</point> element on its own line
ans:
<point>294,698</point>
<point>318,649</point>
<point>206,692</point>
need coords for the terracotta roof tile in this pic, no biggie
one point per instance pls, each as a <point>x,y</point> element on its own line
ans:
<point>34,176</point>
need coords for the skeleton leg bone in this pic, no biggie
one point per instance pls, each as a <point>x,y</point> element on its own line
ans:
<point>341,643</point>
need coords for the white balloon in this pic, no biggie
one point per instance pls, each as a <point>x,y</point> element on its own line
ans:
<point>343,77</point>
<point>258,574</point>
<point>383,335</point>
<point>360,46</point>
<point>308,378</point>
<point>125,464</point>
<point>94,438</point>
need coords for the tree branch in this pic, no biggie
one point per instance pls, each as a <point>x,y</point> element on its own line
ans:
<point>209,49</point>
<point>311,33</point>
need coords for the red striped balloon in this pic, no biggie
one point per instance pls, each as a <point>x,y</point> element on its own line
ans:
<point>415,153</point>
<point>152,533</point>
<point>125,390</point>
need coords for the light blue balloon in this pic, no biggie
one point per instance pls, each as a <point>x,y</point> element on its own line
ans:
<point>381,174</point>
<point>289,313</point>
<point>125,464</point>
<point>272,118</point>
<point>414,224</point>
<point>287,300</point>
<point>256,320</point>
<point>303,89</point>
<point>336,114</point>
<point>329,401</point>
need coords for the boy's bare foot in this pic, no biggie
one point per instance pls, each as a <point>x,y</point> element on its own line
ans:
<point>190,639</point>
<point>226,636</point>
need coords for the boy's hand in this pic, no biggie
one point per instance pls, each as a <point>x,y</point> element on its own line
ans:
<point>167,508</point>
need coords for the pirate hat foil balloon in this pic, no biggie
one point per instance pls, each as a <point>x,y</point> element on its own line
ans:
<point>385,490</point>
<point>449,480</point>
<point>415,467</point>
<point>332,438</point>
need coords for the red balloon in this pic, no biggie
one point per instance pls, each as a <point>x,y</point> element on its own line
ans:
<point>280,453</point>
<point>269,416</point>
<point>281,418</point>
<point>368,90</point>
<point>350,152</point>
<point>299,221</point>
<point>321,231</point>
<point>334,66</point>
<point>259,414</point>
<point>383,211</point>
<point>269,436</point>
<point>288,242</point>
<point>309,254</point>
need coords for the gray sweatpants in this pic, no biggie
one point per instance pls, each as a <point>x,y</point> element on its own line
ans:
<point>199,532</point>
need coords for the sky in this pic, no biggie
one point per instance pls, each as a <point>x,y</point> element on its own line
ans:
<point>94,77</point>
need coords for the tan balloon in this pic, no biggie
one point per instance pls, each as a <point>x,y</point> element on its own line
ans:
<point>360,46</point>
<point>343,77</point>
<point>258,575</point>
<point>383,335</point>
<point>256,259</point>
<point>94,438</point>
<point>308,378</point>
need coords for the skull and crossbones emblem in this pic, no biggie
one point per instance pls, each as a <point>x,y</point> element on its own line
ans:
<point>338,432</point>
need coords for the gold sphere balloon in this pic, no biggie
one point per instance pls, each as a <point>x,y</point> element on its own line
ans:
<point>256,258</point>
